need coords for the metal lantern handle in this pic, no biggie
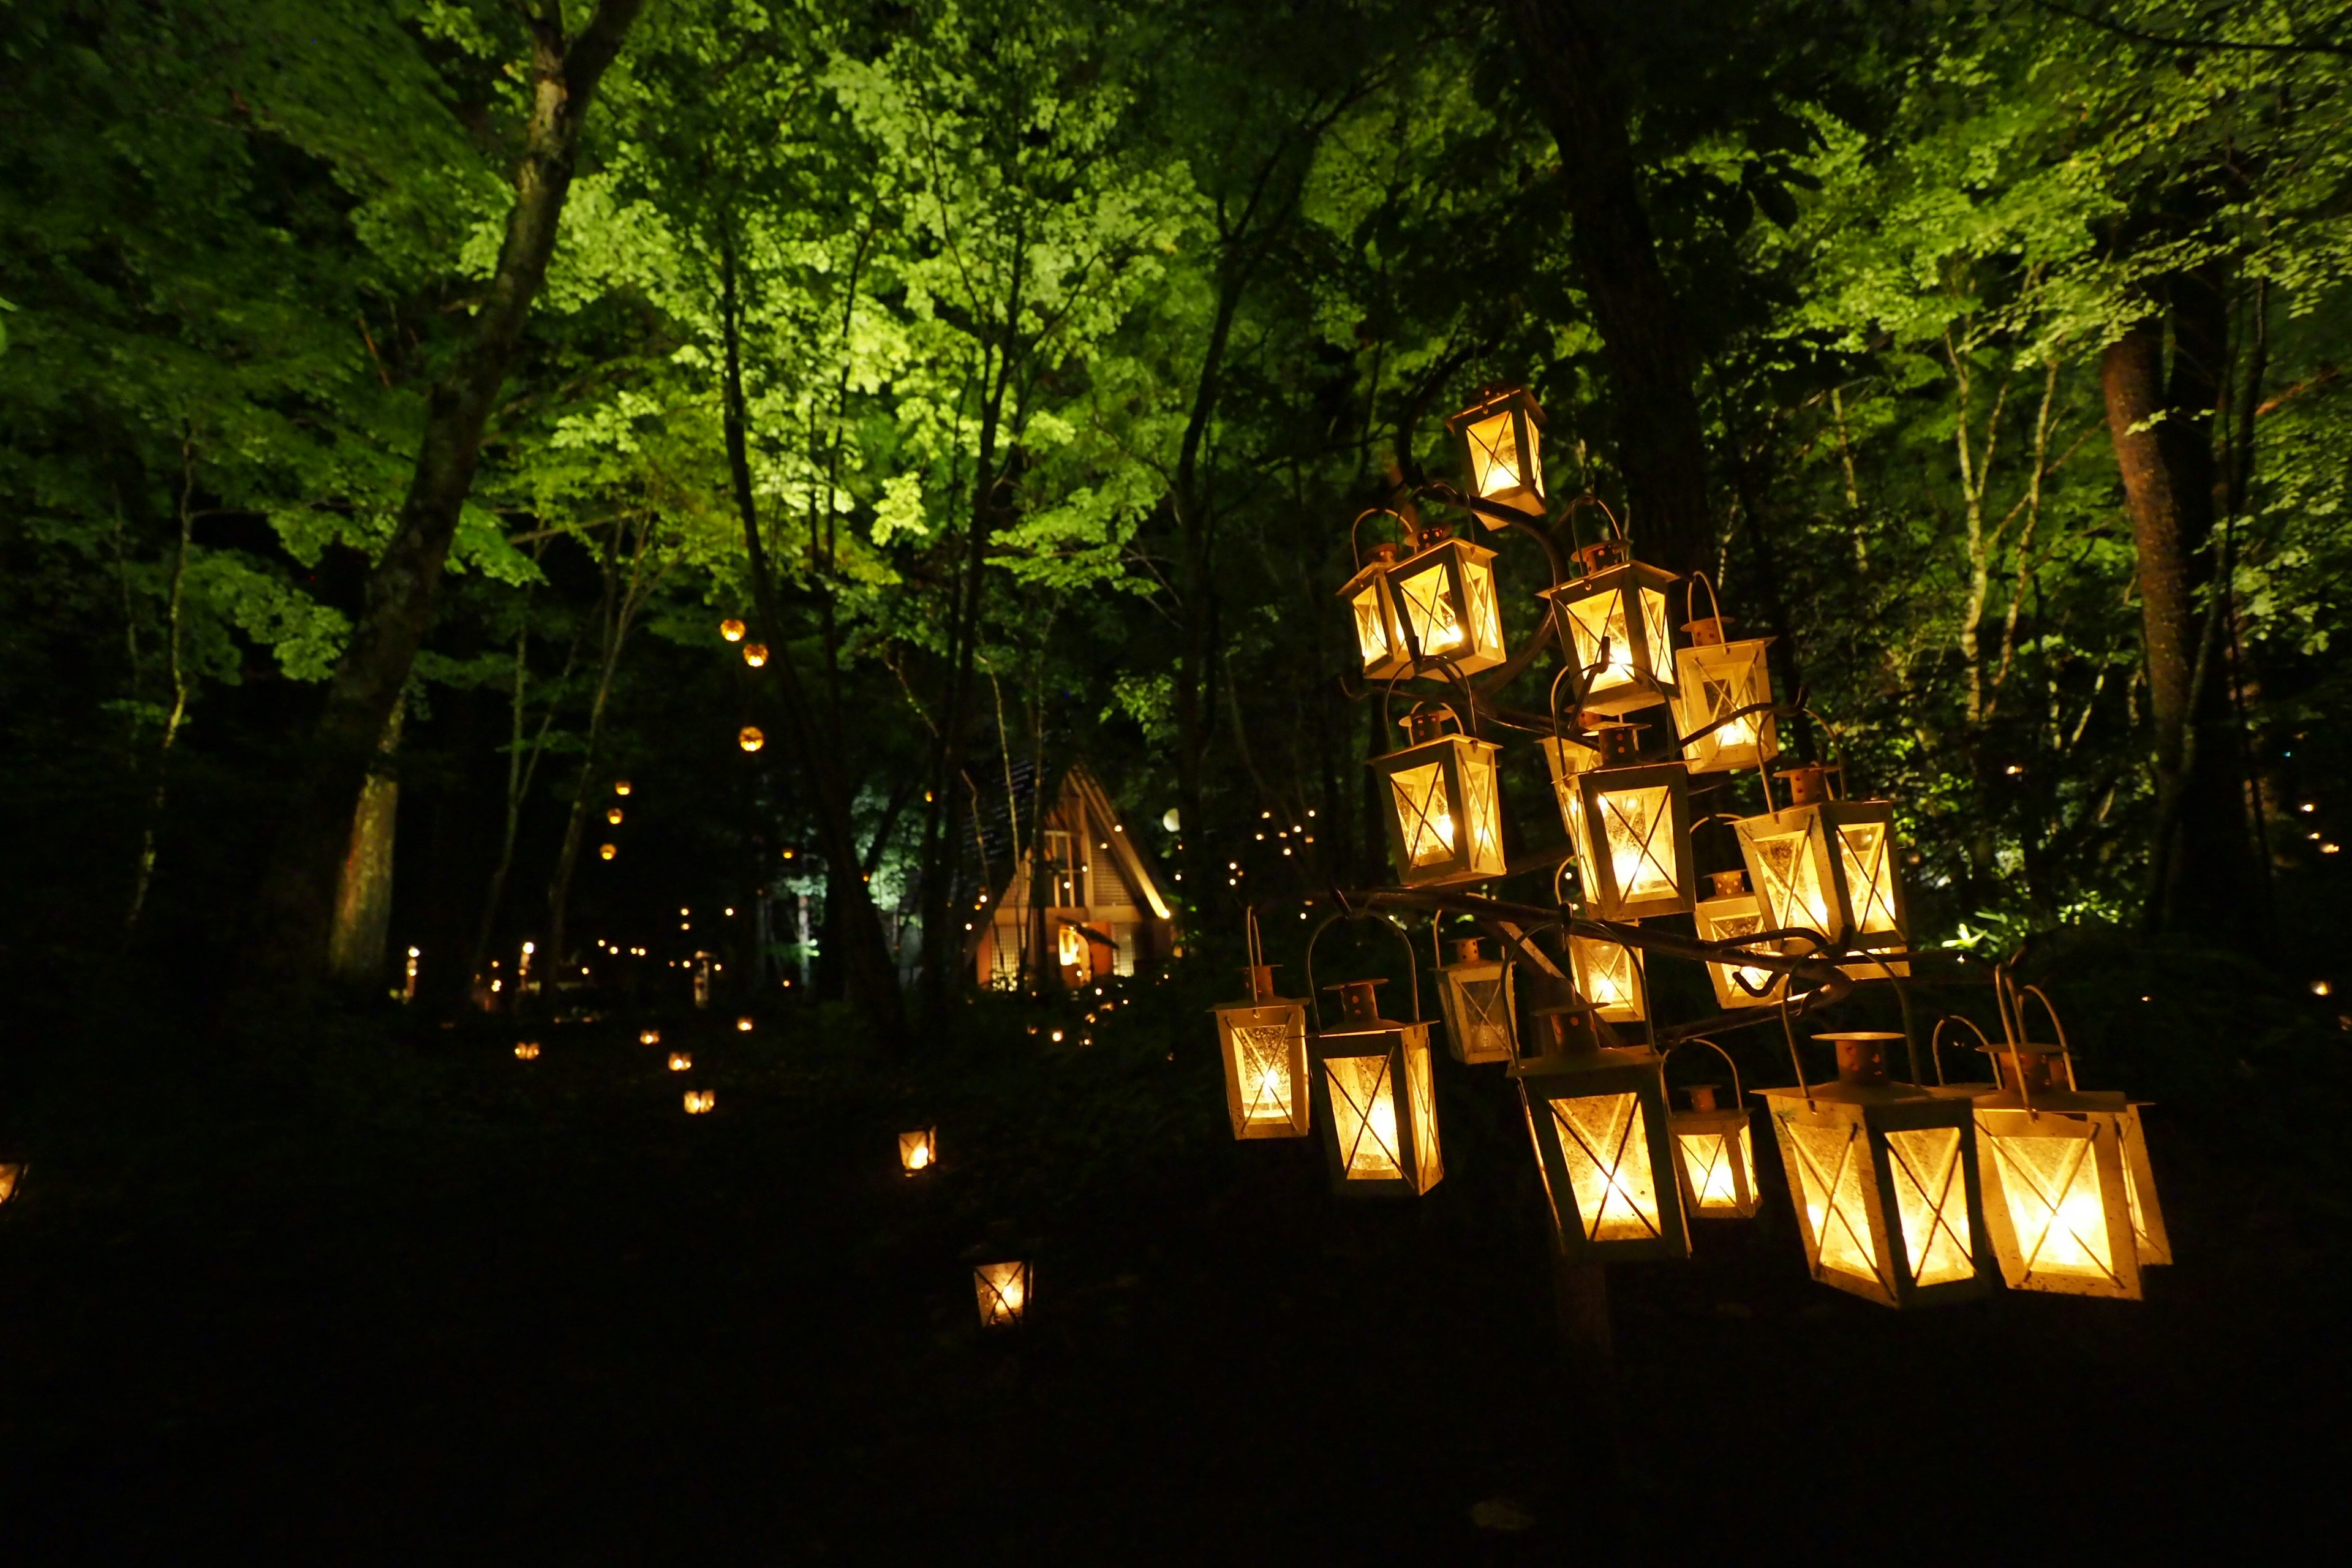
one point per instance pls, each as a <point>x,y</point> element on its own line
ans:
<point>1738,1098</point>
<point>1690,592</point>
<point>1355,530</point>
<point>2065,1051</point>
<point>1935,1042</point>
<point>1576,503</point>
<point>1412,963</point>
<point>1250,934</point>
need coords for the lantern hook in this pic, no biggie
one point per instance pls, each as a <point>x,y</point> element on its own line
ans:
<point>1412,964</point>
<point>2065,1052</point>
<point>1736,1097</point>
<point>1355,528</point>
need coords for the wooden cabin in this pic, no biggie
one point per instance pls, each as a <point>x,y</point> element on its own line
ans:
<point>1107,911</point>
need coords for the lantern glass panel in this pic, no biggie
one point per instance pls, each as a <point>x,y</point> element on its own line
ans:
<point>1931,1197</point>
<point>1869,875</point>
<point>1495,463</point>
<point>1643,854</point>
<point>1720,1170</point>
<point>1834,1172</point>
<point>1728,918</point>
<point>1789,880</point>
<point>1593,620</point>
<point>1714,681</point>
<point>1371,624</point>
<point>1605,1141</point>
<point>1609,976</point>
<point>1653,622</point>
<point>1002,1290</point>
<point>1424,814</point>
<point>2155,1245</point>
<point>1477,996</point>
<point>918,1150</point>
<point>1363,1114</point>
<point>1437,630</point>
<point>1483,810</point>
<point>2050,1187</point>
<point>1266,1063</point>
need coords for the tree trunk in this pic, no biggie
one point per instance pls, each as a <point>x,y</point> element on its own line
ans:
<point>1660,446</point>
<point>364,890</point>
<point>298,892</point>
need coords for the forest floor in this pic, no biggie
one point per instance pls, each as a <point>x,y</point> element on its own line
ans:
<point>422,1300</point>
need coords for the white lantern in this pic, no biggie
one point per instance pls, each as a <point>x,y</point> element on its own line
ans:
<point>1444,599</point>
<point>1263,1043</point>
<point>1501,437</point>
<point>1828,866</point>
<point>1376,1101</point>
<point>1616,619</point>
<point>1715,681</point>
<point>1731,915</point>
<point>1598,1119</point>
<point>1474,993</point>
<point>1380,646</point>
<point>1445,814</point>
<point>1628,822</point>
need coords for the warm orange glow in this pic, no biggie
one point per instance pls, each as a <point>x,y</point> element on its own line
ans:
<point>918,1150</point>
<point>527,1050</point>
<point>755,654</point>
<point>751,739</point>
<point>679,1061</point>
<point>698,1100</point>
<point>613,815</point>
<point>1002,1290</point>
<point>731,629</point>
<point>10,1177</point>
<point>606,851</point>
<point>650,1036</point>
<point>1606,1146</point>
<point>1363,1112</point>
<point>620,786</point>
<point>743,1025</point>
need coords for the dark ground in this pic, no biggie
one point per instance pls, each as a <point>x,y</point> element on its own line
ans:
<point>419,1301</point>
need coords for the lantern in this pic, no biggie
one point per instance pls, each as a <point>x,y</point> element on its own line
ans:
<point>1445,816</point>
<point>1263,1043</point>
<point>1501,437</point>
<point>700,1100</point>
<point>650,1036</point>
<point>755,654</point>
<point>1598,1118</point>
<point>1379,634</point>
<point>1884,1179</point>
<point>613,815</point>
<point>606,851</point>
<point>1445,600</point>
<point>526,1050</point>
<point>1628,822</point>
<point>731,629</point>
<point>1616,619</point>
<point>1828,866</point>
<point>1732,914</point>
<point>1376,1101</point>
<point>1609,974</point>
<point>1474,993</point>
<point>11,1178</point>
<point>751,739</point>
<point>1714,1157</point>
<point>743,1024</point>
<point>919,1150</point>
<point>1003,1292</point>
<point>681,1062</point>
<point>620,786</point>
<point>1713,680</point>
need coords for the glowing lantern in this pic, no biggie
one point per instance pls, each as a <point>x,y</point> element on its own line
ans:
<point>1628,822</point>
<point>1444,597</point>
<point>1828,866</point>
<point>919,1150</point>
<point>1616,619</point>
<point>1263,1043</point>
<point>700,1100</point>
<point>1733,913</point>
<point>650,1036</point>
<point>681,1062</point>
<point>1501,437</point>
<point>1714,1158</point>
<point>613,815</point>
<point>1003,1292</point>
<point>751,739</point>
<point>606,851</point>
<point>1884,1179</point>
<point>11,1178</point>
<point>527,1050</point>
<point>755,654</point>
<point>1715,679</point>
<point>743,1024</point>
<point>1376,1100</point>
<point>1379,633</point>
<point>620,786</point>
<point>731,629</point>
<point>1445,816</point>
<point>1598,1119</point>
<point>1609,976</point>
<point>1474,993</point>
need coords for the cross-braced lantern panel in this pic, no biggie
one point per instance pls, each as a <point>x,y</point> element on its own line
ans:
<point>1603,646</point>
<point>1496,464</point>
<point>1931,1199</point>
<point>1482,811</point>
<point>1262,1058</point>
<point>1643,854</point>
<point>1834,1168</point>
<point>1719,1172</point>
<point>1715,681</point>
<point>1788,881</point>
<point>1477,1000</point>
<point>1424,813</point>
<point>1003,1292</point>
<point>1420,1095</point>
<point>1371,624</point>
<point>1730,919</point>
<point>1364,1117</point>
<point>1446,820</point>
<point>1609,976</point>
<point>1869,877</point>
<point>2154,1244</point>
<point>1605,1142</point>
<point>2056,1210</point>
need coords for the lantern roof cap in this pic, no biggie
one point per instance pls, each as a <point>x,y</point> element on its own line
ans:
<point>1570,1062</point>
<point>2059,1101</point>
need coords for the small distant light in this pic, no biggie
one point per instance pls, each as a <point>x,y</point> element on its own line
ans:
<point>2307,806</point>
<point>730,914</point>
<point>415,953</point>
<point>2322,988</point>
<point>606,851</point>
<point>1057,1037</point>
<point>681,1062</point>
<point>2013,770</point>
<point>743,1025</point>
<point>528,948</point>
<point>620,786</point>
<point>2330,848</point>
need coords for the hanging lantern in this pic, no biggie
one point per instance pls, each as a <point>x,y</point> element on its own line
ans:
<point>1379,633</point>
<point>526,1050</point>
<point>1445,600</point>
<point>731,629</point>
<point>1828,866</point>
<point>1003,1292</point>
<point>1616,619</point>
<point>11,1177</point>
<point>755,654</point>
<point>1501,437</point>
<point>1375,1100</point>
<point>1598,1118</point>
<point>1715,1159</point>
<point>1262,1042</point>
<point>1884,1179</point>
<point>1628,822</point>
<point>700,1100</point>
<point>1713,680</point>
<point>1609,974</point>
<point>1731,914</point>
<point>918,1150</point>
<point>1474,993</point>
<point>606,851</point>
<point>751,739</point>
<point>1445,818</point>
<point>620,786</point>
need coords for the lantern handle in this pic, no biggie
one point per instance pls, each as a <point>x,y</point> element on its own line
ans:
<point>1250,934</point>
<point>1935,1042</point>
<point>1412,963</point>
<point>1794,1059</point>
<point>2013,1026</point>
<point>1568,515</point>
<point>1355,530</point>
<point>1737,1098</point>
<point>2065,1052</point>
<point>1690,593</point>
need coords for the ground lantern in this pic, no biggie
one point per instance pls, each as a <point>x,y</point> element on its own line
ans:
<point>755,654</point>
<point>1446,815</point>
<point>1730,915</point>
<point>1598,1118</point>
<point>1262,1042</point>
<point>1828,866</point>
<point>1884,1179</point>
<point>750,738</point>
<point>1474,993</point>
<point>1501,437</point>
<point>1376,1100</point>
<point>1628,822</point>
<point>1616,619</point>
<point>1003,1292</point>
<point>1445,607</point>
<point>1714,681</point>
<point>918,1150</point>
<point>1714,1158</point>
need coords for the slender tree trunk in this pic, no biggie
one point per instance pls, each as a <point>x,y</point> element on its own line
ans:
<point>297,890</point>
<point>179,710</point>
<point>1651,366</point>
<point>363,891</point>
